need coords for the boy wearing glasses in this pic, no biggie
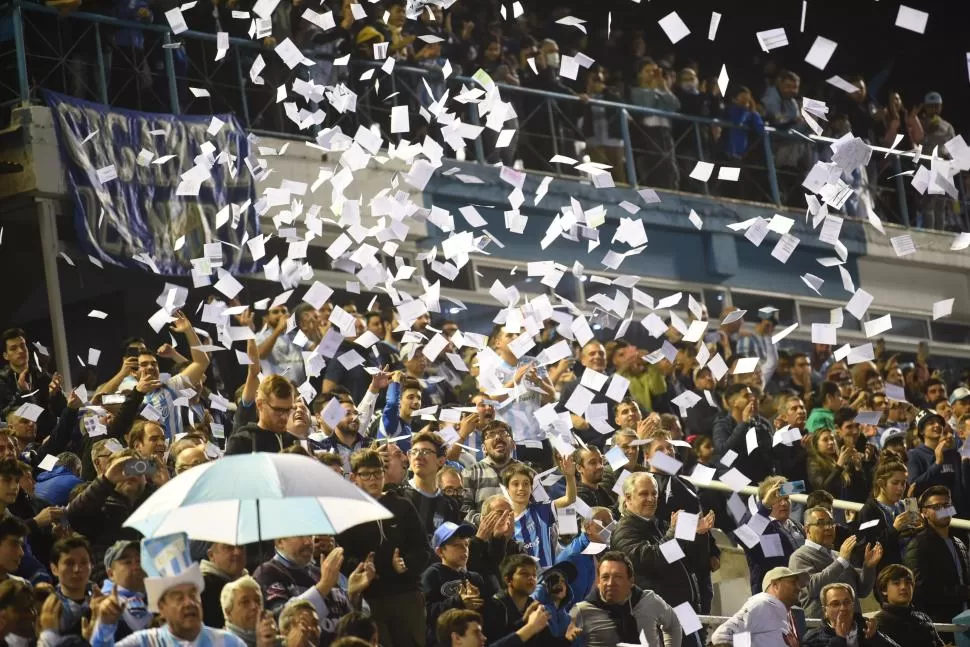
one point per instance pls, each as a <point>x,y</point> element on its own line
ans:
<point>427,457</point>
<point>401,553</point>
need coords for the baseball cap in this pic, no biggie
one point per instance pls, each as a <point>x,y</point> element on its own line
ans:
<point>925,416</point>
<point>116,550</point>
<point>449,530</point>
<point>780,573</point>
<point>566,569</point>
<point>933,99</point>
<point>959,394</point>
<point>889,433</point>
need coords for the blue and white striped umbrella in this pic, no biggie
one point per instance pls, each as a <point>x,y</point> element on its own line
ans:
<point>251,497</point>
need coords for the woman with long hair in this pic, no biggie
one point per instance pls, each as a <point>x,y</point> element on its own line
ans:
<point>885,505</point>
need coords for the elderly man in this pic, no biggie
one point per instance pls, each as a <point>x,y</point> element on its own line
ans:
<point>493,542</point>
<point>174,593</point>
<point>640,533</point>
<point>766,616</point>
<point>225,564</point>
<point>841,624</point>
<point>618,610</point>
<point>241,603</point>
<point>825,566</point>
<point>189,458</point>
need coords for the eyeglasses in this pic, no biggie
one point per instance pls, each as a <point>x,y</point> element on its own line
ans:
<point>454,491</point>
<point>937,506</point>
<point>280,411</point>
<point>422,452</point>
<point>828,523</point>
<point>497,434</point>
<point>835,604</point>
<point>369,475</point>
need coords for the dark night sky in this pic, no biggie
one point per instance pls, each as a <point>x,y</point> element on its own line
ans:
<point>865,31</point>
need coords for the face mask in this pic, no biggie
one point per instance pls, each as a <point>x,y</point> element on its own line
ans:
<point>552,59</point>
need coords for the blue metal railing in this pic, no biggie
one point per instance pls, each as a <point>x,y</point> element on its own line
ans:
<point>257,110</point>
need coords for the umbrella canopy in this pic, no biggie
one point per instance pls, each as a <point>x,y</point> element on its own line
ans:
<point>251,497</point>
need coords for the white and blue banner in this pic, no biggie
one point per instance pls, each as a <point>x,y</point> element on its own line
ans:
<point>152,189</point>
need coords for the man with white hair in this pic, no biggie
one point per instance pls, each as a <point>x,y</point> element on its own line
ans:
<point>639,535</point>
<point>242,602</point>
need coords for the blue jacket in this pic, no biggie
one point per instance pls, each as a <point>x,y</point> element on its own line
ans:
<point>585,568</point>
<point>559,618</point>
<point>924,472</point>
<point>55,486</point>
<point>736,139</point>
<point>391,423</point>
<point>128,10</point>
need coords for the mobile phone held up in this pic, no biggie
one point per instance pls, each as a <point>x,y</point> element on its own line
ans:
<point>140,467</point>
<point>792,487</point>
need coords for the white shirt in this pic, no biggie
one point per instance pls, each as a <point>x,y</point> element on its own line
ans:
<point>763,616</point>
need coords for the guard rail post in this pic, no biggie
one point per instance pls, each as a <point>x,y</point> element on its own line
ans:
<point>102,73</point>
<point>631,169</point>
<point>901,191</point>
<point>241,79</point>
<point>772,174</point>
<point>173,91</point>
<point>21,50</point>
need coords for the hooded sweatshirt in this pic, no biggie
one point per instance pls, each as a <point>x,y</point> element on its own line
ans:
<point>55,486</point>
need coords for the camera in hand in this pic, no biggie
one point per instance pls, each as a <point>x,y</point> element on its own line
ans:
<point>140,467</point>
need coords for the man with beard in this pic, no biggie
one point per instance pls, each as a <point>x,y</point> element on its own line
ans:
<point>618,610</point>
<point>163,396</point>
<point>345,438</point>
<point>225,564</point>
<point>174,589</point>
<point>589,466</point>
<point>482,480</point>
<point>792,460</point>
<point>427,457</point>
<point>470,431</point>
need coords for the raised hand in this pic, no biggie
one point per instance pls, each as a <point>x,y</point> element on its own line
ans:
<point>398,562</point>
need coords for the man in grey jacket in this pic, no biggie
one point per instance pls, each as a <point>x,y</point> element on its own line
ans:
<point>617,610</point>
<point>825,566</point>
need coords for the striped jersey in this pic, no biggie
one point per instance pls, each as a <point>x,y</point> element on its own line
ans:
<point>535,529</point>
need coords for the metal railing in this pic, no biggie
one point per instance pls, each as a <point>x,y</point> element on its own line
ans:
<point>142,66</point>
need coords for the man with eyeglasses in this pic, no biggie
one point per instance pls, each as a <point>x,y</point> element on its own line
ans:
<point>482,480</point>
<point>825,567</point>
<point>277,351</point>
<point>939,561</point>
<point>400,551</point>
<point>275,405</point>
<point>842,624</point>
<point>427,457</point>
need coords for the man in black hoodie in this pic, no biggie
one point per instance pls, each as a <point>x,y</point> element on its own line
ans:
<point>590,488</point>
<point>400,550</point>
<point>275,404</point>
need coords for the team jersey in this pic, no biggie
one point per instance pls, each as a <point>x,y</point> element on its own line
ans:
<point>535,529</point>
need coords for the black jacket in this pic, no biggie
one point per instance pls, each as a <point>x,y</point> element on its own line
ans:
<point>433,510</point>
<point>825,636</point>
<point>640,539</point>
<point>252,438</point>
<point>939,592</point>
<point>907,626</point>
<point>884,533</point>
<point>10,396</point>
<point>732,435</point>
<point>441,585</point>
<point>596,496</point>
<point>485,557</point>
<point>405,532</point>
<point>98,513</point>
<point>677,493</point>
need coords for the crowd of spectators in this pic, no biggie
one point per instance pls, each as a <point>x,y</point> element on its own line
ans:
<point>534,501</point>
<point>526,51</point>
